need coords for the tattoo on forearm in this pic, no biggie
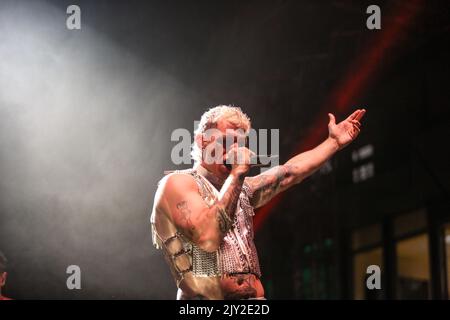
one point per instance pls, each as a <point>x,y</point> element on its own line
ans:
<point>265,186</point>
<point>231,197</point>
<point>226,207</point>
<point>186,217</point>
<point>225,223</point>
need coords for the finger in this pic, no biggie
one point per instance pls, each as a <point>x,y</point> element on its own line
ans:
<point>356,128</point>
<point>356,123</point>
<point>360,115</point>
<point>232,152</point>
<point>356,131</point>
<point>353,115</point>
<point>332,119</point>
<point>246,156</point>
<point>234,146</point>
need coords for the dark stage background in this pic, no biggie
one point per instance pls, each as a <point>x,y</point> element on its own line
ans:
<point>86,118</point>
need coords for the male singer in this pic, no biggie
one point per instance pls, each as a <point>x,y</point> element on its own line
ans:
<point>202,217</point>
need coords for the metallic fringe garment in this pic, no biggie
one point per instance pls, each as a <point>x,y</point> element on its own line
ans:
<point>237,252</point>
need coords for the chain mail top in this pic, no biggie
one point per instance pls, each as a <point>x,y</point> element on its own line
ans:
<point>237,252</point>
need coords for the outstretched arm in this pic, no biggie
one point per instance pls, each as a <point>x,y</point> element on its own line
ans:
<point>268,184</point>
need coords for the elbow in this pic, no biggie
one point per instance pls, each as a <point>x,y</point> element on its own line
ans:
<point>209,244</point>
<point>293,177</point>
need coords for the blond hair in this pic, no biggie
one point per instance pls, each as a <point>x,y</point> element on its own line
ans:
<point>209,120</point>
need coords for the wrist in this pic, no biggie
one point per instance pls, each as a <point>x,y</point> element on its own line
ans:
<point>333,143</point>
<point>238,174</point>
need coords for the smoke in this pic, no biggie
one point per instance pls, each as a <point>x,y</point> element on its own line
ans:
<point>83,123</point>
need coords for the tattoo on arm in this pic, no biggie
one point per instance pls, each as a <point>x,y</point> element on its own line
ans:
<point>226,207</point>
<point>223,211</point>
<point>265,186</point>
<point>186,218</point>
<point>225,223</point>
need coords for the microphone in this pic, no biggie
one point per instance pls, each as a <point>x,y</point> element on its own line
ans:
<point>258,163</point>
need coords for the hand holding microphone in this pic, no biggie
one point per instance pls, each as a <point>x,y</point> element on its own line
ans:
<point>238,159</point>
<point>242,159</point>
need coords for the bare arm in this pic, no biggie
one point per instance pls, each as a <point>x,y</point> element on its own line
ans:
<point>202,224</point>
<point>268,184</point>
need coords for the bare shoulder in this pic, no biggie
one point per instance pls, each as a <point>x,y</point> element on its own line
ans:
<point>171,187</point>
<point>177,182</point>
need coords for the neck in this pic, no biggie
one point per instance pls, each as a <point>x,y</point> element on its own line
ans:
<point>215,180</point>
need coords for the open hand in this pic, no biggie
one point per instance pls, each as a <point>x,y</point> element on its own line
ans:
<point>347,130</point>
